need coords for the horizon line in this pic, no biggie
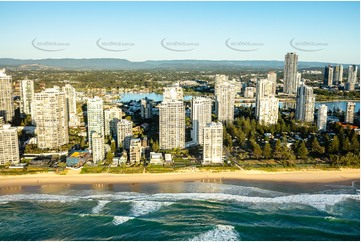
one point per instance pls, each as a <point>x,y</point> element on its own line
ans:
<point>92,58</point>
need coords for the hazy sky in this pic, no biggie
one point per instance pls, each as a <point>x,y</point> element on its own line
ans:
<point>265,29</point>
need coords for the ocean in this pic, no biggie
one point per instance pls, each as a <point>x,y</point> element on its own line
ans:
<point>203,211</point>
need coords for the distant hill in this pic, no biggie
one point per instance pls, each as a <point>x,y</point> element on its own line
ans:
<point>122,64</point>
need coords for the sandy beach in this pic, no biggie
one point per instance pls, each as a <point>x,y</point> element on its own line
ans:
<point>314,176</point>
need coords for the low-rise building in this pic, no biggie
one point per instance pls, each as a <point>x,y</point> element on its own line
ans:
<point>156,158</point>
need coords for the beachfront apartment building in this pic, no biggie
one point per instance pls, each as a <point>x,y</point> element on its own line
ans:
<point>225,97</point>
<point>95,116</point>
<point>9,145</point>
<point>266,103</point>
<point>172,119</point>
<point>305,104</point>
<point>111,118</point>
<point>268,110</point>
<point>213,143</point>
<point>26,96</point>
<point>201,116</point>
<point>135,151</point>
<point>6,97</point>
<point>98,150</point>
<point>70,94</point>
<point>171,125</point>
<point>51,118</point>
<point>124,133</point>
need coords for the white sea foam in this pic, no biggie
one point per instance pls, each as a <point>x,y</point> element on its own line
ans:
<point>140,208</point>
<point>330,218</point>
<point>38,197</point>
<point>199,187</point>
<point>101,204</point>
<point>219,233</point>
<point>121,219</point>
<point>318,201</point>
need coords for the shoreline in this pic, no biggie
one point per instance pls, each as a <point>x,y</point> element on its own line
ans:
<point>316,176</point>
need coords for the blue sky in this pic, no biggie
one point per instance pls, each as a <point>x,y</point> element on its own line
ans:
<point>205,26</point>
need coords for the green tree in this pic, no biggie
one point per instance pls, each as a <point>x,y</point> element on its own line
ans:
<point>355,144</point>
<point>334,145</point>
<point>113,146</point>
<point>155,146</point>
<point>277,152</point>
<point>82,143</point>
<point>287,153</point>
<point>302,151</point>
<point>109,158</point>
<point>267,151</point>
<point>346,146</point>
<point>241,137</point>
<point>316,147</point>
<point>257,151</point>
<point>228,141</point>
<point>341,138</point>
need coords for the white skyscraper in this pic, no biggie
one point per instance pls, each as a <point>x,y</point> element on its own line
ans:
<point>268,111</point>
<point>266,103</point>
<point>352,74</point>
<point>95,116</point>
<point>219,79</point>
<point>6,97</point>
<point>213,143</point>
<point>322,117</point>
<point>146,108</point>
<point>98,150</point>
<point>71,102</point>
<point>350,112</point>
<point>272,77</point>
<point>248,92</point>
<point>26,96</point>
<point>173,93</point>
<point>290,74</point>
<point>111,117</point>
<point>9,145</point>
<point>171,125</point>
<point>351,78</point>
<point>172,119</point>
<point>225,94</point>
<point>51,118</point>
<point>338,74</point>
<point>305,104</point>
<point>124,133</point>
<point>201,116</point>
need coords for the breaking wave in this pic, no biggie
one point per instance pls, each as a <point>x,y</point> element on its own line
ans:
<point>219,233</point>
<point>101,204</point>
<point>121,219</point>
